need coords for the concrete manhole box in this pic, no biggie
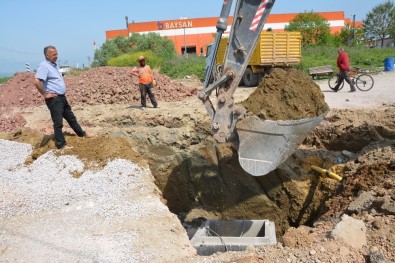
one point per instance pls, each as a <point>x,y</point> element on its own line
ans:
<point>235,235</point>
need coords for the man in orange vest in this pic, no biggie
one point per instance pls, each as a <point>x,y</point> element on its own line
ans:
<point>145,82</point>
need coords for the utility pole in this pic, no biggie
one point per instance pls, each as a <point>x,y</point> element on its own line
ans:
<point>185,44</point>
<point>353,27</point>
<point>127,24</point>
<point>185,38</point>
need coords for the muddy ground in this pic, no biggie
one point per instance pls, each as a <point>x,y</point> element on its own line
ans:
<point>199,179</point>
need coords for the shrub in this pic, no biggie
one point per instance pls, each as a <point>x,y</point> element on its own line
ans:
<point>181,67</point>
<point>130,60</point>
<point>161,47</point>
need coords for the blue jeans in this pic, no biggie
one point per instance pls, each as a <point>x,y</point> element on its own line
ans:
<point>60,108</point>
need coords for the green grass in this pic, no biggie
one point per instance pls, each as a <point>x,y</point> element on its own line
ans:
<point>360,57</point>
<point>181,67</point>
<point>4,80</point>
<point>313,56</point>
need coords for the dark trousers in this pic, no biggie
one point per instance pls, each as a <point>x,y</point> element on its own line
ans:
<point>144,89</point>
<point>60,108</point>
<point>343,75</point>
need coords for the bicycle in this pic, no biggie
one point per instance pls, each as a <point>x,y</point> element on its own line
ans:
<point>362,80</point>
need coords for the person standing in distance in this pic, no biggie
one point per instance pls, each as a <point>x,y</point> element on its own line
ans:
<point>49,82</point>
<point>146,78</point>
<point>343,63</point>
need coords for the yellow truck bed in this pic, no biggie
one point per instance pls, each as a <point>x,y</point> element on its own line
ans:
<point>273,49</point>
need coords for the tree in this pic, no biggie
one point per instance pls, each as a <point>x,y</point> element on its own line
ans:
<point>314,28</point>
<point>380,22</point>
<point>160,46</point>
<point>351,35</point>
<point>392,31</point>
<point>108,50</point>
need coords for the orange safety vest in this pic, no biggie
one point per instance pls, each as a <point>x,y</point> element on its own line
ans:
<point>145,74</point>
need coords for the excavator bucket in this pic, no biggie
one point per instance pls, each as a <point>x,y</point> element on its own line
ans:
<point>265,144</point>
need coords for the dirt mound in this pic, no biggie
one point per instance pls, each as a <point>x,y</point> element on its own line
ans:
<point>104,85</point>
<point>96,151</point>
<point>10,122</point>
<point>286,95</point>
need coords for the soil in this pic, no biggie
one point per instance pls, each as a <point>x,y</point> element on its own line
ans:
<point>286,94</point>
<point>199,179</point>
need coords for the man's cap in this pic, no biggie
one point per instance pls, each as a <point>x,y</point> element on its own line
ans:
<point>141,58</point>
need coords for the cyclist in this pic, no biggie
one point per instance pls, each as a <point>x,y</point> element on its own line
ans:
<point>343,63</point>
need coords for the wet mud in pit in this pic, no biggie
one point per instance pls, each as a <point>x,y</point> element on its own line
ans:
<point>201,179</point>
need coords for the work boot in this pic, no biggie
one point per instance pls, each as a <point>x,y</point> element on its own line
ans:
<point>352,87</point>
<point>65,147</point>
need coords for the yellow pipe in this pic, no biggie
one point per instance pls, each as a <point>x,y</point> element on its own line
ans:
<point>327,172</point>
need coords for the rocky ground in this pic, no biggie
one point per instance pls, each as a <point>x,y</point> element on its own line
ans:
<point>178,176</point>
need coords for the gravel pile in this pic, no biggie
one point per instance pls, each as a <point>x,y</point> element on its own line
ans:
<point>12,155</point>
<point>52,208</point>
<point>48,183</point>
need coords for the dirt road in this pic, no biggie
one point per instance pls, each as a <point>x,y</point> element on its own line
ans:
<point>383,93</point>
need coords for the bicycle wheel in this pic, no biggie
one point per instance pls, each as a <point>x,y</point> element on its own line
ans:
<point>364,82</point>
<point>332,81</point>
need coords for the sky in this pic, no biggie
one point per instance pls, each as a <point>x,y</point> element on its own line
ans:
<point>73,26</point>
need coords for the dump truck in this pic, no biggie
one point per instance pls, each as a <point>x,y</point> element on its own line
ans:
<point>273,49</point>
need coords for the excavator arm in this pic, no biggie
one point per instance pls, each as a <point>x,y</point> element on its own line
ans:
<point>262,144</point>
<point>248,22</point>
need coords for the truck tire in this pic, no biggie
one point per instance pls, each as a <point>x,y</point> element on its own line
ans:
<point>250,79</point>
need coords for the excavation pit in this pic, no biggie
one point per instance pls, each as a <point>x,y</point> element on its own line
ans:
<point>235,235</point>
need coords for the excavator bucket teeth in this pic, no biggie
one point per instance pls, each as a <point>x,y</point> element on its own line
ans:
<point>265,144</point>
